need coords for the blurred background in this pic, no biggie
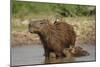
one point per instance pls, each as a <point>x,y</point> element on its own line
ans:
<point>82,17</point>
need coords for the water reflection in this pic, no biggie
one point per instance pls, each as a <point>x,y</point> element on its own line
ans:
<point>58,60</point>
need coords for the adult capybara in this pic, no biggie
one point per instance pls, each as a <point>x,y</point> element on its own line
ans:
<point>55,37</point>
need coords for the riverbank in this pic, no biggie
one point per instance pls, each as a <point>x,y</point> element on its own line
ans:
<point>23,38</point>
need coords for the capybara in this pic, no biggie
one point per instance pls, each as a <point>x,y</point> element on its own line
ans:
<point>75,52</point>
<point>55,37</point>
<point>79,51</point>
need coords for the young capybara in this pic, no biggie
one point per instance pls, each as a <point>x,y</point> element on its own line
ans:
<point>79,51</point>
<point>75,52</point>
<point>55,37</point>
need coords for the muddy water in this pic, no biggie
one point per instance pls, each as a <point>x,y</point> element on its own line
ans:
<point>34,55</point>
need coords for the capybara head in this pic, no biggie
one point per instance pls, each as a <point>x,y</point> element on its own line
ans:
<point>38,26</point>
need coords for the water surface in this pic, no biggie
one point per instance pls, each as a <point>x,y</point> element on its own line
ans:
<point>26,55</point>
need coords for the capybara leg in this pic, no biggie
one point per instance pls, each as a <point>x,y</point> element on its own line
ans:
<point>47,53</point>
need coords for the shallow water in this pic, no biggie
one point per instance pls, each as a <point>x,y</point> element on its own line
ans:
<point>26,55</point>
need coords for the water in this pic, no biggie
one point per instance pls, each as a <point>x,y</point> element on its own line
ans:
<point>26,55</point>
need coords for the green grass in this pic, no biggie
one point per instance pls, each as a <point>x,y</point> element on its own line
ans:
<point>24,9</point>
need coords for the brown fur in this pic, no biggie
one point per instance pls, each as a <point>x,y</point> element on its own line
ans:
<point>75,52</point>
<point>55,37</point>
<point>67,32</point>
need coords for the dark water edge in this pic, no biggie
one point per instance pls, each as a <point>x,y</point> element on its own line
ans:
<point>26,55</point>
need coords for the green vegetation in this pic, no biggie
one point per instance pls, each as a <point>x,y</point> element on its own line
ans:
<point>31,9</point>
